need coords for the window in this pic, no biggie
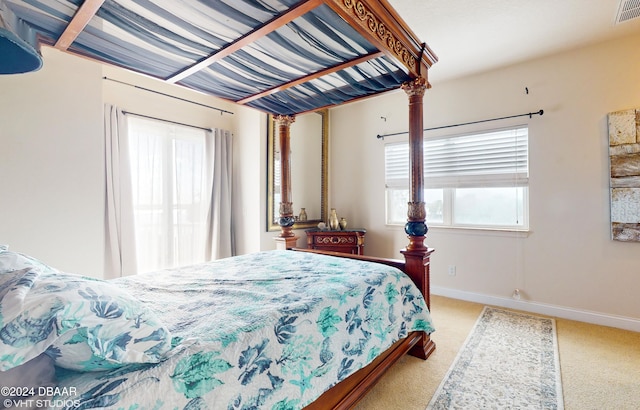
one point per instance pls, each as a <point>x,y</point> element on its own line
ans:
<point>167,170</point>
<point>478,180</point>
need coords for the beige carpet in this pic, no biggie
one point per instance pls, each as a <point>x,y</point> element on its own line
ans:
<point>600,366</point>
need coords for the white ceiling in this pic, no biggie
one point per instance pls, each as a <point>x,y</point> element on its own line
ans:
<point>471,36</point>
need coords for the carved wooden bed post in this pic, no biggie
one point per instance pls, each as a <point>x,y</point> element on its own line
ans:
<point>416,253</point>
<point>287,238</point>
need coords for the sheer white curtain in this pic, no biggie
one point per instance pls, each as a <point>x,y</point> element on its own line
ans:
<point>169,199</point>
<point>120,252</point>
<point>219,235</point>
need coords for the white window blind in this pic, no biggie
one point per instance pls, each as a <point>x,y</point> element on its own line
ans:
<point>485,159</point>
<point>396,165</point>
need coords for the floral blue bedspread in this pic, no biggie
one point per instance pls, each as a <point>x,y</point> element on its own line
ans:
<point>269,330</point>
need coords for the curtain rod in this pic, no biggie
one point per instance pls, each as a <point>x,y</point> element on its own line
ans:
<point>529,114</point>
<point>162,119</point>
<point>169,95</point>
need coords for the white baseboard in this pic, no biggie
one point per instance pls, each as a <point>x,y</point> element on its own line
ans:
<point>597,318</point>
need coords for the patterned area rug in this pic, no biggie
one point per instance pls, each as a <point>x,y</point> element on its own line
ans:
<point>509,361</point>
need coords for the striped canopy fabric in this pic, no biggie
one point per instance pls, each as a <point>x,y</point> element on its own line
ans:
<point>279,56</point>
<point>18,56</point>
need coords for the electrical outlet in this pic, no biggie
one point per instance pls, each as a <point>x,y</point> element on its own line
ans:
<point>452,270</point>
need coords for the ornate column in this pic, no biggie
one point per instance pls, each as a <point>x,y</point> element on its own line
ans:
<point>416,227</point>
<point>287,238</point>
<point>416,254</point>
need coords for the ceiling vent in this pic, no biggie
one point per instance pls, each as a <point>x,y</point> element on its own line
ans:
<point>628,10</point>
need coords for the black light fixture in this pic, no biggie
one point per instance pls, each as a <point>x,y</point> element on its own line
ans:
<point>18,56</point>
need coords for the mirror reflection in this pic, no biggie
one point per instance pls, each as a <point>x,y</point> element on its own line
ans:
<point>308,141</point>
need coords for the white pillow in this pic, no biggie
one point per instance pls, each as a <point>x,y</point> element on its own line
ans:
<point>82,323</point>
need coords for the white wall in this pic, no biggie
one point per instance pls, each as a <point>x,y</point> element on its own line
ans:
<point>141,101</point>
<point>52,156</point>
<point>51,151</point>
<point>249,188</point>
<point>567,264</point>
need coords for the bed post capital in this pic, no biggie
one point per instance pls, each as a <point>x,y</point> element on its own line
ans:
<point>284,120</point>
<point>416,87</point>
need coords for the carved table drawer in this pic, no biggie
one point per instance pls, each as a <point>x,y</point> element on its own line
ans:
<point>346,241</point>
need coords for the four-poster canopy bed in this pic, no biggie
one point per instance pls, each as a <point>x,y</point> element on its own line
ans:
<point>282,57</point>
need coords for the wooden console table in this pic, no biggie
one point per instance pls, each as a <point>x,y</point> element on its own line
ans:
<point>347,241</point>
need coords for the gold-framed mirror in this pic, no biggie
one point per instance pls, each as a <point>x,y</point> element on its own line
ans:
<point>309,140</point>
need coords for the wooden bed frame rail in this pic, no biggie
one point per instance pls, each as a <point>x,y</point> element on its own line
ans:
<point>396,263</point>
<point>346,394</point>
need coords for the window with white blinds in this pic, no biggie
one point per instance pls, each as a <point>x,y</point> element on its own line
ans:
<point>470,180</point>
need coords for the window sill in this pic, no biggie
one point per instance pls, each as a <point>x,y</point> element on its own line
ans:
<point>480,231</point>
